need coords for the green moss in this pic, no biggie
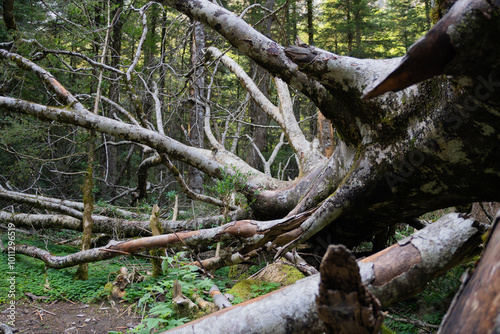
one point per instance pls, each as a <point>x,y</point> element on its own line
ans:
<point>243,289</point>
<point>277,275</point>
<point>385,330</point>
<point>292,275</point>
<point>238,271</point>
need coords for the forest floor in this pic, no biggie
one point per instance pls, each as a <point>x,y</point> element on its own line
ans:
<point>60,317</point>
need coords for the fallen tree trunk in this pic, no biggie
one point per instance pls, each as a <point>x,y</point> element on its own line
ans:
<point>113,226</point>
<point>252,235</point>
<point>414,261</point>
<point>71,208</point>
<point>477,306</point>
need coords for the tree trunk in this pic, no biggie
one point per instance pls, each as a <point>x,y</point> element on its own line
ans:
<point>197,94</point>
<point>88,207</point>
<point>156,229</point>
<point>476,307</point>
<point>114,95</point>
<point>310,22</point>
<point>344,304</point>
<point>8,15</point>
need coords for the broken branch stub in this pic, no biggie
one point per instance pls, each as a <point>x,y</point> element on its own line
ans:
<point>344,303</point>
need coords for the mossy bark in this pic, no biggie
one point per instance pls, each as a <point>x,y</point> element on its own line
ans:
<point>88,206</point>
<point>157,229</point>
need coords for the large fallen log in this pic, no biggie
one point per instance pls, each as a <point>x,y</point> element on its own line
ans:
<point>476,307</point>
<point>393,274</point>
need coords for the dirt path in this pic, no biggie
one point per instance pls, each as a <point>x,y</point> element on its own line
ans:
<point>63,317</point>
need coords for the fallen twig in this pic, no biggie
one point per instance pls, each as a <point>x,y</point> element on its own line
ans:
<point>415,322</point>
<point>44,310</point>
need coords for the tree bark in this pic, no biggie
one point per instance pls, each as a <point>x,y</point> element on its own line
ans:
<point>197,94</point>
<point>114,95</point>
<point>476,307</point>
<point>88,207</point>
<point>344,304</point>
<point>8,15</point>
<point>310,20</point>
<point>156,229</point>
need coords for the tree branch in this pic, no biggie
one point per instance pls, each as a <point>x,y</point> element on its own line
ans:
<point>252,235</point>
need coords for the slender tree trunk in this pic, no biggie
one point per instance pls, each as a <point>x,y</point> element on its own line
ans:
<point>310,22</point>
<point>88,207</point>
<point>8,15</point>
<point>428,21</point>
<point>88,184</point>
<point>156,229</point>
<point>114,95</point>
<point>358,22</point>
<point>197,94</point>
<point>294,20</point>
<point>350,34</point>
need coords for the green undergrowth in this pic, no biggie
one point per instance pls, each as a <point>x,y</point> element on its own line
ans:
<point>152,296</point>
<point>156,307</point>
<point>33,277</point>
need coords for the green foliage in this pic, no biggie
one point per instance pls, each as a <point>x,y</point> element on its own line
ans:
<point>345,25</point>
<point>408,22</point>
<point>230,182</point>
<point>264,288</point>
<point>364,28</point>
<point>403,231</point>
<point>170,195</point>
<point>160,314</point>
<point>33,277</point>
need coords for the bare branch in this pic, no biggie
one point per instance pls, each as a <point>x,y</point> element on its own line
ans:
<point>190,193</point>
